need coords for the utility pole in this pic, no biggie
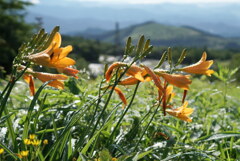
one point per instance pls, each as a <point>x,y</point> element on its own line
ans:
<point>117,38</point>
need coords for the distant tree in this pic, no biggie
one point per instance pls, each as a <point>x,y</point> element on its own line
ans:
<point>13,30</point>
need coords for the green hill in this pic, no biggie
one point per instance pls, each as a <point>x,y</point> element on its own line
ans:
<point>165,35</point>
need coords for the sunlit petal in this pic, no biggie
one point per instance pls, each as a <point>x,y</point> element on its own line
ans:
<point>121,95</point>
<point>68,71</point>
<point>178,80</point>
<point>62,63</point>
<point>29,79</point>
<point>201,67</point>
<point>110,69</point>
<point>154,77</point>
<point>182,112</point>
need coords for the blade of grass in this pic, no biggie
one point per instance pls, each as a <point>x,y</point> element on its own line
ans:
<point>30,110</point>
<point>8,151</point>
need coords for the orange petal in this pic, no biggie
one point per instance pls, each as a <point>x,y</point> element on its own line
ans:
<point>181,112</point>
<point>154,77</point>
<point>201,67</point>
<point>65,51</point>
<point>178,80</point>
<point>48,76</point>
<point>29,80</point>
<point>57,40</point>
<point>62,63</point>
<point>60,53</point>
<point>68,71</point>
<point>129,81</point>
<point>136,72</point>
<point>121,95</point>
<point>44,77</point>
<point>57,84</point>
<point>109,71</point>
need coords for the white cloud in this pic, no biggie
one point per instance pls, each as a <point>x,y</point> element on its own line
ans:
<point>159,1</point>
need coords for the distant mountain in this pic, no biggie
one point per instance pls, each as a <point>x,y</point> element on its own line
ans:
<point>216,18</point>
<point>166,35</point>
<point>89,33</point>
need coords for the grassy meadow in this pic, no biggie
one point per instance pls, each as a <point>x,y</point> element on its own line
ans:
<point>86,119</point>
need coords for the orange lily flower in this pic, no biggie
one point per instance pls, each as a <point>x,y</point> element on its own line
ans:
<point>181,112</point>
<point>133,70</point>
<point>178,80</point>
<point>201,67</point>
<point>53,56</point>
<point>44,77</point>
<point>68,71</point>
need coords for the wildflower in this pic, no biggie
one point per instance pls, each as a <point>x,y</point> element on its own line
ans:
<point>1,151</point>
<point>35,142</point>
<point>181,112</point>
<point>53,56</point>
<point>24,153</point>
<point>114,159</point>
<point>134,71</point>
<point>45,141</point>
<point>27,141</point>
<point>201,67</point>
<point>178,80</point>
<point>32,136</point>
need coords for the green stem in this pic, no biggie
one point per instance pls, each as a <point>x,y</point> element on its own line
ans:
<point>109,97</point>
<point>103,110</point>
<point>124,113</point>
<point>155,112</point>
<point>3,92</point>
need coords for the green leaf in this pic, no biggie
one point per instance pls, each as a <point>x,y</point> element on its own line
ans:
<point>30,110</point>
<point>163,58</point>
<point>141,155</point>
<point>181,58</point>
<point>8,150</point>
<point>219,136</point>
<point>140,45</point>
<point>193,153</point>
<point>86,147</point>
<point>4,118</point>
<point>49,130</point>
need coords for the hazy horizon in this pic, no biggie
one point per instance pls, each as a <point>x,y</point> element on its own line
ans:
<point>79,15</point>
